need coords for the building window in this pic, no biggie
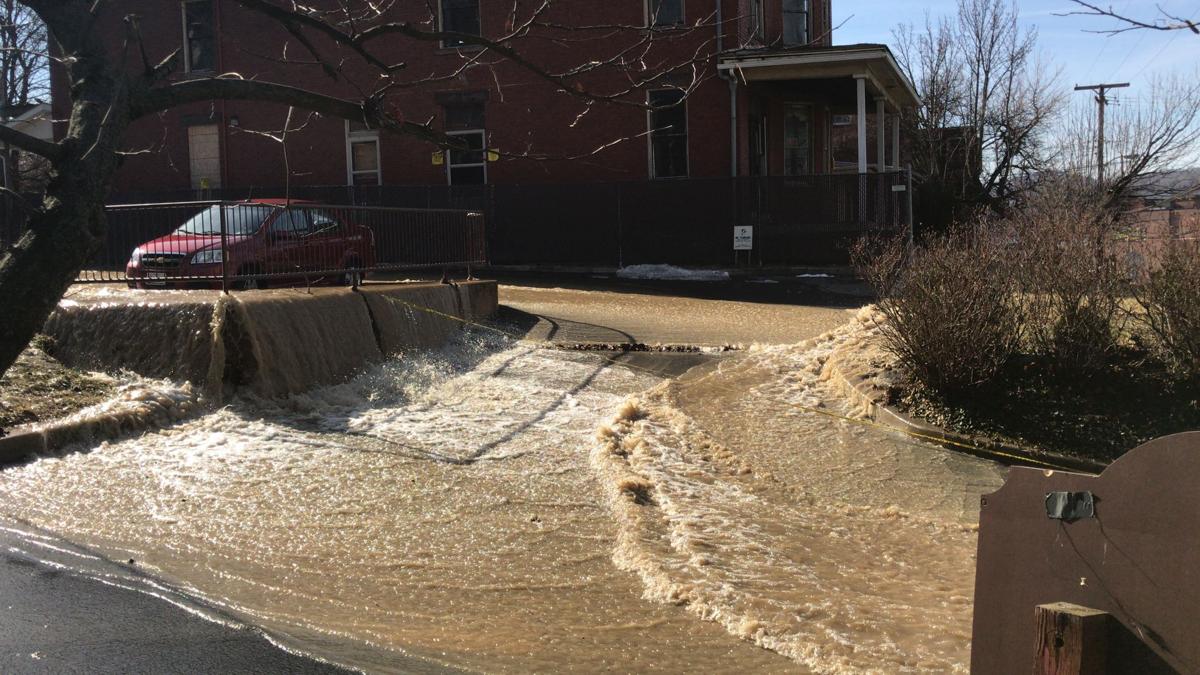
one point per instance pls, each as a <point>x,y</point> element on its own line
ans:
<point>795,22</point>
<point>758,30</point>
<point>465,125</point>
<point>468,161</point>
<point>665,12</point>
<point>797,146</point>
<point>204,156</point>
<point>362,155</point>
<point>199,42</point>
<point>668,134</point>
<point>459,16</point>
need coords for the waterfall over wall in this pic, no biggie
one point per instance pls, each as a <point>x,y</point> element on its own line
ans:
<point>269,342</point>
<point>165,337</point>
<point>280,342</point>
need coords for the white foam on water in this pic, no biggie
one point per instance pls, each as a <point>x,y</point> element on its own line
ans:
<point>455,506</point>
<point>439,506</point>
<point>842,548</point>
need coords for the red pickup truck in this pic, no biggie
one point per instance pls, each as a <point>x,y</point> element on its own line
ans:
<point>267,242</point>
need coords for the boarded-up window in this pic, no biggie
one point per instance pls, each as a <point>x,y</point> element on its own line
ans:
<point>204,156</point>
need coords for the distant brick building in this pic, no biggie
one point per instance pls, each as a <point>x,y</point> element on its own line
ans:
<point>782,90</point>
<point>1155,227</point>
<point>753,144</point>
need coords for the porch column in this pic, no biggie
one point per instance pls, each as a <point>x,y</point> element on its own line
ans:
<point>861,81</point>
<point>896,140</point>
<point>880,139</point>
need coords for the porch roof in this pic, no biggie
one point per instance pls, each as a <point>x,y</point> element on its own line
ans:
<point>872,62</point>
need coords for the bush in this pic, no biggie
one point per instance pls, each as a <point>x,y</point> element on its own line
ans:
<point>950,305</point>
<point>1072,283</point>
<point>1169,299</point>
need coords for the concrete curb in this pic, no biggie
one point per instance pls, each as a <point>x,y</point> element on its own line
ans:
<point>858,389</point>
<point>102,425</point>
<point>20,447</point>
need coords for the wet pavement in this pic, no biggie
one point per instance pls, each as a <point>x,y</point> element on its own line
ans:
<point>74,623</point>
<point>740,312</point>
<point>53,621</point>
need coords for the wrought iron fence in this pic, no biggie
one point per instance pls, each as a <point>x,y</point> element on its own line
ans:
<point>248,244</point>
<point>811,219</point>
<point>798,220</point>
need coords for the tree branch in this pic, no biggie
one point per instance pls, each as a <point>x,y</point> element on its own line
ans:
<point>1169,23</point>
<point>29,143</point>
<point>371,112</point>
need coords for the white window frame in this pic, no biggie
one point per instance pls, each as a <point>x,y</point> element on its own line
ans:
<point>187,47</point>
<point>450,155</point>
<point>441,25</point>
<point>362,136</point>
<point>648,15</point>
<point>687,147</point>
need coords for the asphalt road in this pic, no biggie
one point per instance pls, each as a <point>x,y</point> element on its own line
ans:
<point>52,621</point>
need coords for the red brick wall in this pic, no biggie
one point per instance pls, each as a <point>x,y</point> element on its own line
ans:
<point>523,112</point>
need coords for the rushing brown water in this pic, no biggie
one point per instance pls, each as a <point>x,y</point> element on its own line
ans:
<point>460,508</point>
<point>841,547</point>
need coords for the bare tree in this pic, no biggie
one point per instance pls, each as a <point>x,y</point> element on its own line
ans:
<point>113,85</point>
<point>1146,137</point>
<point>1164,22</point>
<point>24,80</point>
<point>986,103</point>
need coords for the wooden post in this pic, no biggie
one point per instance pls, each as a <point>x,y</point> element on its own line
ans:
<point>1071,640</point>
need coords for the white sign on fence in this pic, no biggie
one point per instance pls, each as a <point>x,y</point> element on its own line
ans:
<point>743,237</point>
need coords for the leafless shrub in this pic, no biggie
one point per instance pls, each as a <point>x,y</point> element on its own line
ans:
<point>1169,299</point>
<point>950,304</point>
<point>1072,282</point>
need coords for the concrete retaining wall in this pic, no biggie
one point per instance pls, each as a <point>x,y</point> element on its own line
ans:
<point>273,342</point>
<point>270,343</point>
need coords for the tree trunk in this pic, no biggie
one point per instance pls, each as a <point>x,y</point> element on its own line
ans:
<point>69,225</point>
<point>37,271</point>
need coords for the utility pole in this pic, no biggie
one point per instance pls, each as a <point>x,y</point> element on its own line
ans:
<point>1101,101</point>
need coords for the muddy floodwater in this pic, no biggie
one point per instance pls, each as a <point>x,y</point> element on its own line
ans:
<point>495,506</point>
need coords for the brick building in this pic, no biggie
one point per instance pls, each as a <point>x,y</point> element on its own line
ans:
<point>772,91</point>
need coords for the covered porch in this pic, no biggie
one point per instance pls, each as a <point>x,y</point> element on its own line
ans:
<point>817,110</point>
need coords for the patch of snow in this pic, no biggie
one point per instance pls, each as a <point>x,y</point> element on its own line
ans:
<point>762,281</point>
<point>820,275</point>
<point>670,273</point>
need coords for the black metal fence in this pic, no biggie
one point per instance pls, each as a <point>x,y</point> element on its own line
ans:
<point>222,244</point>
<point>800,220</point>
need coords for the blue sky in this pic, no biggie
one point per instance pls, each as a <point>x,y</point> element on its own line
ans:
<point>1085,58</point>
